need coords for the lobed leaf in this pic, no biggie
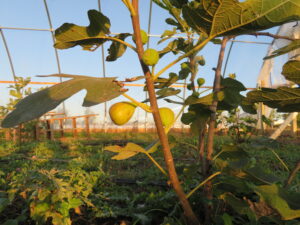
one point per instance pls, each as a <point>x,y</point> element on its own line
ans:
<point>126,152</point>
<point>232,17</point>
<point>70,35</point>
<point>277,199</point>
<point>99,90</point>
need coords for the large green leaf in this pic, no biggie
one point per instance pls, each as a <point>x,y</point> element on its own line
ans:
<point>70,35</point>
<point>258,174</point>
<point>277,199</point>
<point>35,105</point>
<point>286,49</point>
<point>291,71</point>
<point>248,107</point>
<point>200,15</point>
<point>232,97</point>
<point>285,99</point>
<point>232,17</point>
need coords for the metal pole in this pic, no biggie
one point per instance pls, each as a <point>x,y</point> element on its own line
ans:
<point>55,50</point>
<point>8,55</point>
<point>228,56</point>
<point>104,75</point>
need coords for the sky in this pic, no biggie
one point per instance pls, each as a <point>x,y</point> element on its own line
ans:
<point>33,54</point>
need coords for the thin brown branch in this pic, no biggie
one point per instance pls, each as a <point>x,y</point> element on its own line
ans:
<point>201,148</point>
<point>275,36</point>
<point>293,174</point>
<point>190,215</point>
<point>211,130</point>
<point>213,107</point>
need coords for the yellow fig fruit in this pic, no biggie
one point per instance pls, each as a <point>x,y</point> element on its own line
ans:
<point>150,57</point>
<point>121,112</point>
<point>144,36</point>
<point>167,116</point>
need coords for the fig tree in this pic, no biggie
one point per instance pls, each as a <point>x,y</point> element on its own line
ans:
<point>144,36</point>
<point>167,116</point>
<point>150,57</point>
<point>121,112</point>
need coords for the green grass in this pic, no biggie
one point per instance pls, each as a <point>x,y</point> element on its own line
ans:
<point>132,189</point>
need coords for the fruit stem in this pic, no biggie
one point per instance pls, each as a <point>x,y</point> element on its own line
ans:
<point>117,40</point>
<point>137,103</point>
<point>156,164</point>
<point>129,6</point>
<point>202,183</point>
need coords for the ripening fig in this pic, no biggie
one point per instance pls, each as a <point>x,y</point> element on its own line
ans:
<point>167,116</point>
<point>121,112</point>
<point>189,87</point>
<point>150,57</point>
<point>200,81</point>
<point>200,59</point>
<point>144,36</point>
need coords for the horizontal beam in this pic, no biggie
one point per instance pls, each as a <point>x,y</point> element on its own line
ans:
<point>126,85</point>
<point>25,28</point>
<point>70,117</point>
<point>150,35</point>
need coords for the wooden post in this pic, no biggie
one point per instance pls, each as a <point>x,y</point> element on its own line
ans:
<point>279,130</point>
<point>87,127</point>
<point>7,134</point>
<point>61,127</point>
<point>49,130</point>
<point>74,127</point>
<point>294,124</point>
<point>36,131</point>
<point>20,127</point>
<point>15,135</point>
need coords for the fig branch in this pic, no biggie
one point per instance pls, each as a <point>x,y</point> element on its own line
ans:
<point>213,107</point>
<point>190,215</point>
<point>275,36</point>
<point>137,103</point>
<point>211,131</point>
<point>192,51</point>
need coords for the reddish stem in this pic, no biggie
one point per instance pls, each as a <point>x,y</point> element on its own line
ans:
<point>190,215</point>
<point>211,131</point>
